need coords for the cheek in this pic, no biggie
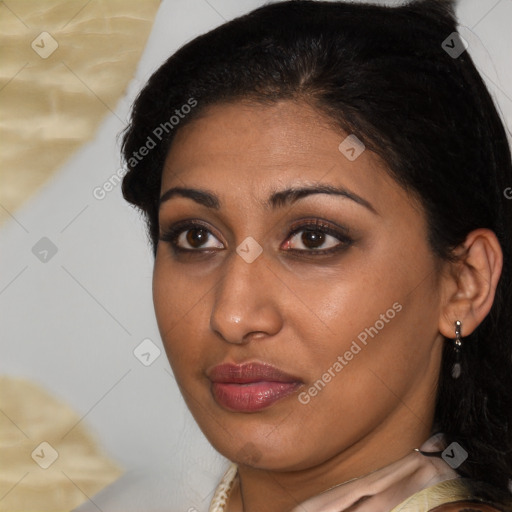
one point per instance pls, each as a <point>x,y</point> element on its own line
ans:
<point>381,320</point>
<point>180,311</point>
<point>361,369</point>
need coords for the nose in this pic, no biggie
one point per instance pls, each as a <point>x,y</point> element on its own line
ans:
<point>246,302</point>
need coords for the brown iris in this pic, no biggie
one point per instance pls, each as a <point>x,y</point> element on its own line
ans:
<point>312,239</point>
<point>197,237</point>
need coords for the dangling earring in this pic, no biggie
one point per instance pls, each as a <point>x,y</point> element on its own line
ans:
<point>457,344</point>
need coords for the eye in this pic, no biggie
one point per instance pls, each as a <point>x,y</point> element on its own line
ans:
<point>317,237</point>
<point>311,237</point>
<point>190,237</point>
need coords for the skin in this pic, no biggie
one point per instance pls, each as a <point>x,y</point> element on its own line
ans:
<point>299,312</point>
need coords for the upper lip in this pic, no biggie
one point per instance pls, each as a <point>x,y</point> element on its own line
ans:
<point>248,372</point>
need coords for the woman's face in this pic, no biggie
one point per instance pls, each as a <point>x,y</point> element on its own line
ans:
<point>297,297</point>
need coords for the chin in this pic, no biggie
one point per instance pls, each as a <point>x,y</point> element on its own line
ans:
<point>272,453</point>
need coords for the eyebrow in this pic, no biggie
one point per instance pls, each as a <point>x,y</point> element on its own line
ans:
<point>277,199</point>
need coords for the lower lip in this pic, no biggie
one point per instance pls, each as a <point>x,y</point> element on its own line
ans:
<point>251,397</point>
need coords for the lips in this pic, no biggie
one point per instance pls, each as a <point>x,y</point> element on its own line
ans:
<point>250,387</point>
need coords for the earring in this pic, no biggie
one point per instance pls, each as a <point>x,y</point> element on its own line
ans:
<point>457,344</point>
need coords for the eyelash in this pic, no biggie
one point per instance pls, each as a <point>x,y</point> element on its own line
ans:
<point>171,235</point>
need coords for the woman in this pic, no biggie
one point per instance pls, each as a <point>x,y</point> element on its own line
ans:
<point>324,190</point>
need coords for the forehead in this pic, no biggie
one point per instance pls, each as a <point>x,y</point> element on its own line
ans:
<point>285,131</point>
<point>249,149</point>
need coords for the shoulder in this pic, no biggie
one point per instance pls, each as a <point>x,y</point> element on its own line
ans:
<point>466,506</point>
<point>458,495</point>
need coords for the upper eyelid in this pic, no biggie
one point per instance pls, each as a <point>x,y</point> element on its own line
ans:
<point>320,224</point>
<point>303,223</point>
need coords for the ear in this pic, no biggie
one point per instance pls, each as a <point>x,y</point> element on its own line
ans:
<point>469,285</point>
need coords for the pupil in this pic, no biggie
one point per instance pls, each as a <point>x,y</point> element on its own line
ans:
<point>313,239</point>
<point>197,237</point>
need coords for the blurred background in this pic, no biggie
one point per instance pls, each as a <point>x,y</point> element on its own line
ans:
<point>87,398</point>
